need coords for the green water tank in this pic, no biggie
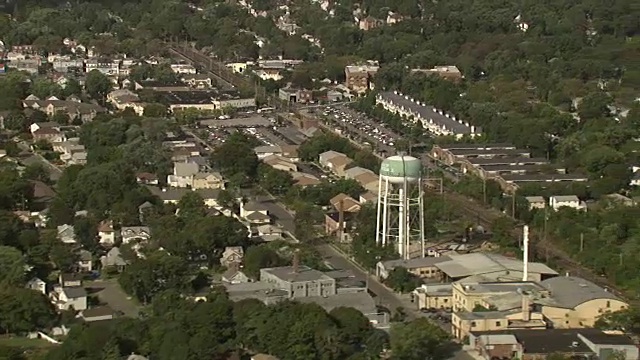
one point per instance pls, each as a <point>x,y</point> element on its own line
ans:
<point>399,168</point>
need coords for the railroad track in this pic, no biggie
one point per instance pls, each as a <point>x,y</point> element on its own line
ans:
<point>543,247</point>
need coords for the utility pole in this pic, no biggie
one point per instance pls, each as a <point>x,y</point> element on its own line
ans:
<point>581,242</point>
<point>513,204</point>
<point>484,191</point>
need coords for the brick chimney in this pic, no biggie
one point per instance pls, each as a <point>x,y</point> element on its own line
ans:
<point>341,220</point>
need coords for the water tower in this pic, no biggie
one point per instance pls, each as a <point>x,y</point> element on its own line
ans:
<point>400,218</point>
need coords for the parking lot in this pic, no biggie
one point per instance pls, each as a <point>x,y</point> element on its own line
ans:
<point>362,124</point>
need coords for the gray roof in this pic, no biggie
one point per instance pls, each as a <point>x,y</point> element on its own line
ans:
<point>426,112</point>
<point>134,231</point>
<point>480,263</point>
<point>113,258</point>
<point>569,291</point>
<point>304,273</point>
<point>253,206</point>
<point>414,263</point>
<point>360,301</point>
<point>355,171</point>
<point>498,339</point>
<point>257,216</point>
<point>74,292</point>
<point>565,198</point>
<point>533,199</point>
<point>327,155</point>
<point>185,169</point>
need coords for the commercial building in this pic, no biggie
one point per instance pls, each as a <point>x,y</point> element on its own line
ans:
<point>299,281</point>
<point>206,100</point>
<point>422,267</point>
<point>559,302</point>
<point>359,77</point>
<point>540,344</point>
<point>436,121</point>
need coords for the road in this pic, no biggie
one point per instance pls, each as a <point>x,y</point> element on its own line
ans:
<point>384,297</point>
<point>54,171</point>
<point>110,293</point>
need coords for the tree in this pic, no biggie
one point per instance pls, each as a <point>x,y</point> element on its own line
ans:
<point>23,310</point>
<point>145,278</point>
<point>258,257</point>
<point>418,340</point>
<point>155,110</point>
<point>98,85</point>
<point>191,206</point>
<point>276,182</point>
<point>401,280</point>
<point>12,266</point>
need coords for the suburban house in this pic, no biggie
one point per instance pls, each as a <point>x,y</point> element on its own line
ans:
<point>303,179</point>
<point>147,178</point>
<point>234,275</point>
<point>70,279</point>
<point>67,234</point>
<point>334,224</point>
<point>280,163</point>
<point>571,201</point>
<point>344,202</point>
<point>50,135</point>
<point>232,256</point>
<point>183,173</point>
<point>66,298</point>
<point>114,259</point>
<point>37,284</point>
<point>124,98</point>
<point>85,261</point>
<point>106,232</point>
<point>135,233</point>
<point>536,202</point>
<point>207,180</point>
<point>173,195</point>
<point>334,161</point>
<point>289,152</point>
<point>254,213</point>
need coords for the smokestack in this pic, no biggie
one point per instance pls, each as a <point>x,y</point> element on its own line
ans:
<point>526,312</point>
<point>525,256</point>
<point>341,220</point>
<point>296,261</point>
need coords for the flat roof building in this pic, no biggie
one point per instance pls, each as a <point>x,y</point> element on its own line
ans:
<point>299,281</point>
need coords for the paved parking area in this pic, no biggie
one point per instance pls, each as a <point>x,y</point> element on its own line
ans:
<point>110,293</point>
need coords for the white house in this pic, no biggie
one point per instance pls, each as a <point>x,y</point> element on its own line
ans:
<point>536,202</point>
<point>183,173</point>
<point>37,284</point>
<point>254,213</point>
<point>67,234</point>
<point>572,201</point>
<point>135,233</point>
<point>106,232</point>
<point>65,298</point>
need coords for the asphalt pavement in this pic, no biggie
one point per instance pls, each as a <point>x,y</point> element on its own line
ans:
<point>384,296</point>
<point>54,171</point>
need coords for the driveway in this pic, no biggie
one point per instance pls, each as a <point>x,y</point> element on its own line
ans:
<point>110,293</point>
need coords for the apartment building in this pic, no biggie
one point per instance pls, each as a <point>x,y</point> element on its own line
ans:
<point>436,121</point>
<point>359,78</point>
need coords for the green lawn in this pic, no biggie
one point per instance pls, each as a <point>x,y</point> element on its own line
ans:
<point>24,342</point>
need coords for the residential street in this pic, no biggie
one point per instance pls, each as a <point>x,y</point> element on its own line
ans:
<point>110,293</point>
<point>54,171</point>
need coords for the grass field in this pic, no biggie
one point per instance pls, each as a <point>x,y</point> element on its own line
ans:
<point>24,343</point>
